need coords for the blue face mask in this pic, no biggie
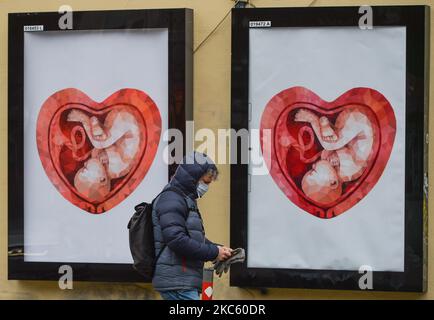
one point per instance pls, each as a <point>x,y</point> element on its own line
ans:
<point>201,189</point>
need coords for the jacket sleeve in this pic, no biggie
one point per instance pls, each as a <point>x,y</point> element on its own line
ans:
<point>171,210</point>
<point>210,242</point>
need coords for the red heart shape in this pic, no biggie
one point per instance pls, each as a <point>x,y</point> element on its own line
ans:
<point>327,156</point>
<point>96,154</point>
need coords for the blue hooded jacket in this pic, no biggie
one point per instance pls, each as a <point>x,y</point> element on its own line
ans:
<point>178,225</point>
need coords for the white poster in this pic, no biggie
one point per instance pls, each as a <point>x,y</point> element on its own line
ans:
<point>289,66</point>
<point>89,86</point>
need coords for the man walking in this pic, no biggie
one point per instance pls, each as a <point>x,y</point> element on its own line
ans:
<point>180,242</point>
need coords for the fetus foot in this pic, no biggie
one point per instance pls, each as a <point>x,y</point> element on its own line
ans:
<point>327,132</point>
<point>97,130</point>
<point>304,115</point>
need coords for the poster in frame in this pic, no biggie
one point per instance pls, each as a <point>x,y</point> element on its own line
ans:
<point>299,77</point>
<point>70,91</point>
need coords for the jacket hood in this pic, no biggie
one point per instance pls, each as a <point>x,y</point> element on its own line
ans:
<point>189,171</point>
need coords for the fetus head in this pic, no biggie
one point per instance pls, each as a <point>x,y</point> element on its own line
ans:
<point>321,183</point>
<point>92,180</point>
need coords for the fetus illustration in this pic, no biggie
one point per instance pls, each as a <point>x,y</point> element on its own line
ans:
<point>326,156</point>
<point>115,146</point>
<point>347,148</point>
<point>96,153</point>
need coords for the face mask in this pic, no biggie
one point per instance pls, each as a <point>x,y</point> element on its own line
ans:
<point>201,189</point>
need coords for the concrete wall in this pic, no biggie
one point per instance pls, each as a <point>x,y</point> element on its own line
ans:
<point>211,109</point>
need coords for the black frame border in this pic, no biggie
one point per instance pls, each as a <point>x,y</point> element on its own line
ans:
<point>179,23</point>
<point>417,21</point>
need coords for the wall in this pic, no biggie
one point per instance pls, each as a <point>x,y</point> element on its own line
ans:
<point>211,109</point>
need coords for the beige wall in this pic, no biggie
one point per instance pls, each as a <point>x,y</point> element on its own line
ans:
<point>211,109</point>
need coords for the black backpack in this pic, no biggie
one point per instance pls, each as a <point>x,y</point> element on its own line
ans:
<point>141,234</point>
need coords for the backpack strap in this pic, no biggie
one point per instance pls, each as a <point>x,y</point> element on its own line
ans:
<point>174,189</point>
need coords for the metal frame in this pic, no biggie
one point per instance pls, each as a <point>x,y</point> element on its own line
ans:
<point>179,23</point>
<point>416,20</point>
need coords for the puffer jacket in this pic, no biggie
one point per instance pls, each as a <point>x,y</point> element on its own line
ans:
<point>178,224</point>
